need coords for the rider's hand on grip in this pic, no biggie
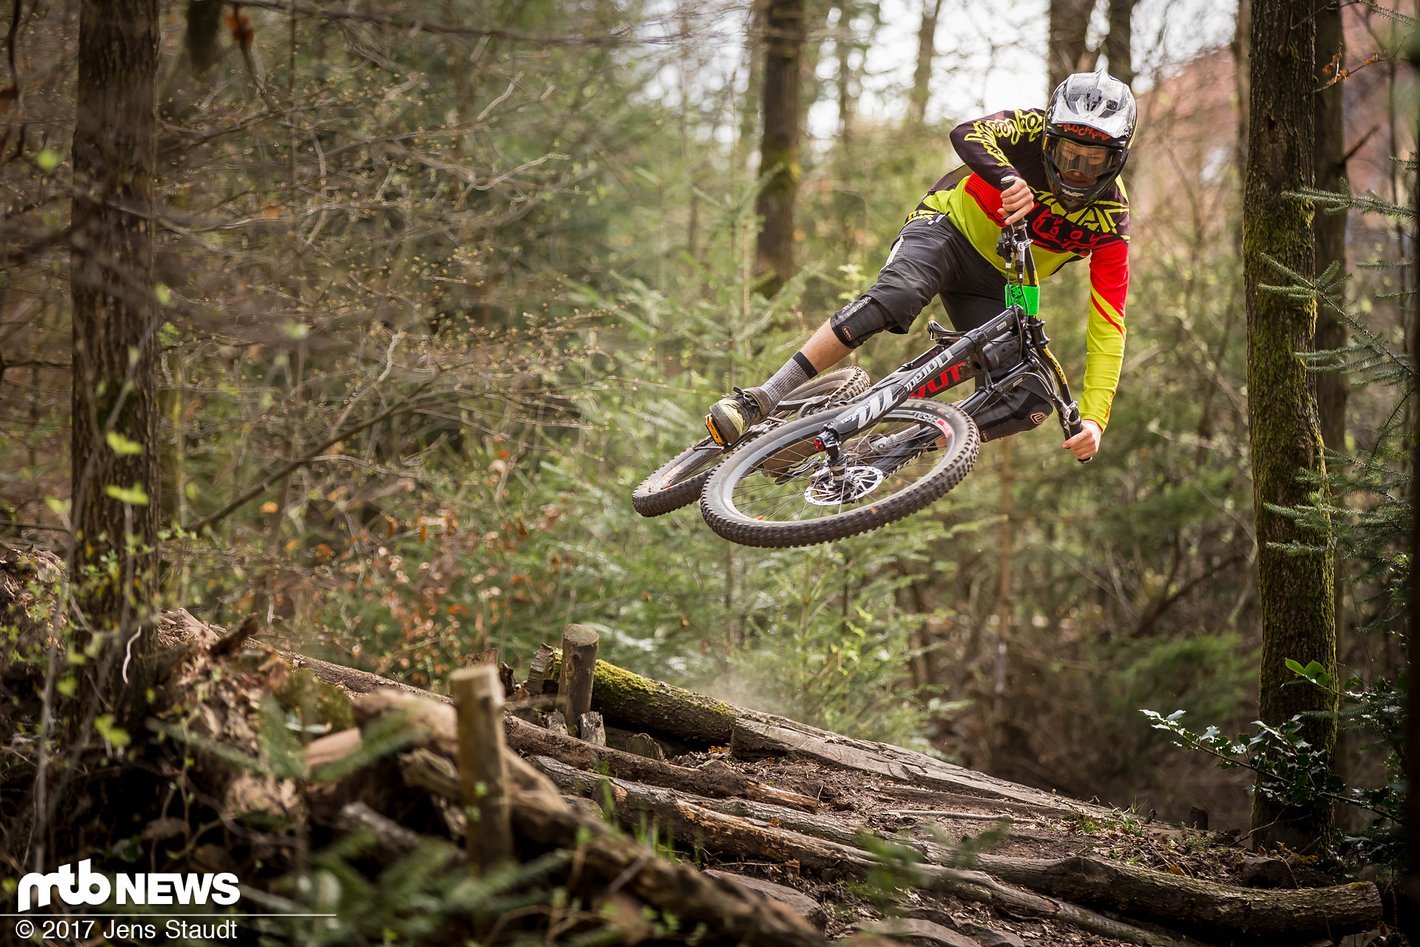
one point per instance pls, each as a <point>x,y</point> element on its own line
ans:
<point>1082,439</point>
<point>1016,200</point>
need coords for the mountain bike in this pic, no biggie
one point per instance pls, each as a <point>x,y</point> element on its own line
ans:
<point>891,450</point>
<point>678,481</point>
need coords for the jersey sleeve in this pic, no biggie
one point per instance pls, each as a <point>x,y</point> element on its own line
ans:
<point>1104,330</point>
<point>990,145</point>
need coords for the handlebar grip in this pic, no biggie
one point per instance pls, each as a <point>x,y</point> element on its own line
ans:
<point>1075,426</point>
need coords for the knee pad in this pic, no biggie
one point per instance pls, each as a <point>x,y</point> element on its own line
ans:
<point>860,319</point>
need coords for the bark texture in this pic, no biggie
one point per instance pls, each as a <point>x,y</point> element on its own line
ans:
<point>926,53</point>
<point>1295,587</point>
<point>1330,228</point>
<point>1069,22</point>
<point>114,430</point>
<point>784,39</point>
<point>1119,43</point>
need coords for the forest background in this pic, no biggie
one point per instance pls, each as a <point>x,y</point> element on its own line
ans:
<point>438,295</point>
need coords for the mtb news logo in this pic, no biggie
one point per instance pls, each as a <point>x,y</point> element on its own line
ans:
<point>88,887</point>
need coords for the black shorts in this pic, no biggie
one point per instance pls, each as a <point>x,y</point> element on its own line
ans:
<point>931,257</point>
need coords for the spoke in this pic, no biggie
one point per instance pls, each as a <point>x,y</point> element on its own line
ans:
<point>787,500</point>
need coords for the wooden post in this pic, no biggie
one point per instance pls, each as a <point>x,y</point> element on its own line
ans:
<point>483,779</point>
<point>579,662</point>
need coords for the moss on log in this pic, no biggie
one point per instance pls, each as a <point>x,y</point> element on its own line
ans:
<point>640,703</point>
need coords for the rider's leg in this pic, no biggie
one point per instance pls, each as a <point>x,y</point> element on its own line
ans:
<point>734,414</point>
<point>920,263</point>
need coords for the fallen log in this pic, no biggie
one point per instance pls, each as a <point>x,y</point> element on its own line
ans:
<point>1204,908</point>
<point>712,779</point>
<point>647,799</point>
<point>640,703</point>
<point>1063,888</point>
<point>721,781</point>
<point>388,839</point>
<point>801,904</point>
<point>354,682</point>
<point>433,723</point>
<point>919,931</point>
<point>756,738</point>
<point>629,700</point>
<point>692,821</point>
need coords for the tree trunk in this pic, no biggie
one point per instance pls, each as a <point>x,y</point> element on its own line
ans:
<point>846,81</point>
<point>1069,22</point>
<point>754,63</point>
<point>926,52</point>
<point>785,33</point>
<point>1119,43</point>
<point>114,432</point>
<point>1294,588</point>
<point>1330,228</point>
<point>1242,63</point>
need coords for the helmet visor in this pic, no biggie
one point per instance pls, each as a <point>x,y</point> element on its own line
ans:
<point>1080,165</point>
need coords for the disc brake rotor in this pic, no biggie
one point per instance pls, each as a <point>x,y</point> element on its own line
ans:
<point>857,482</point>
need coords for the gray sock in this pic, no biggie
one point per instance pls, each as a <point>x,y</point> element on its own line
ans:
<point>795,372</point>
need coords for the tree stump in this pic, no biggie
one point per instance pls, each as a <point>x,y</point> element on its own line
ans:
<point>483,779</point>
<point>579,661</point>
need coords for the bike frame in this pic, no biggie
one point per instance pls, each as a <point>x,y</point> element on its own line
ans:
<point>1015,339</point>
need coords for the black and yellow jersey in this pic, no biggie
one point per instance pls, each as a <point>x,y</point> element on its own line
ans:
<point>1009,144</point>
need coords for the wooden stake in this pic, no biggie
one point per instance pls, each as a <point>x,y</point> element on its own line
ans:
<point>579,662</point>
<point>483,780</point>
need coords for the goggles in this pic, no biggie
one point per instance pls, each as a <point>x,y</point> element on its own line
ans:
<point>1081,164</point>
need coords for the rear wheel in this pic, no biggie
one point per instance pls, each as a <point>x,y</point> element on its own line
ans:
<point>679,481</point>
<point>780,490</point>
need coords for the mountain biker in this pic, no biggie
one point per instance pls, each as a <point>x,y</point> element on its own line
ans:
<point>1058,170</point>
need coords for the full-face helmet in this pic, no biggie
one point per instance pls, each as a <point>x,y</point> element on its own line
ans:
<point>1089,126</point>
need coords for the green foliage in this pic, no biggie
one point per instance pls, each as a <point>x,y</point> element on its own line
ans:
<point>423,897</point>
<point>1290,770</point>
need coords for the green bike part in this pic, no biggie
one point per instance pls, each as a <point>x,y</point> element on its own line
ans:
<point>1027,297</point>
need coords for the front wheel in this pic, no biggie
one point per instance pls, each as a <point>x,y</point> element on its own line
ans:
<point>679,481</point>
<point>782,491</point>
